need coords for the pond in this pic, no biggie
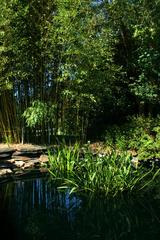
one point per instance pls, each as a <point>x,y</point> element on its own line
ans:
<point>32,209</point>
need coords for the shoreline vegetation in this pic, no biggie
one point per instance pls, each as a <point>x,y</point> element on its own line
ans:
<point>95,168</point>
<point>80,109</point>
<point>73,70</point>
<point>76,73</point>
<point>109,174</point>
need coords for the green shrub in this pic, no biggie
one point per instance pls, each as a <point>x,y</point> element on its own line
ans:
<point>138,133</point>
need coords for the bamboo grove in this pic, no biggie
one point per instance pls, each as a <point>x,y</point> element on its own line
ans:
<point>70,67</point>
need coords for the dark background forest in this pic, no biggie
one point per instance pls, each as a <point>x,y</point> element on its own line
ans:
<point>79,68</point>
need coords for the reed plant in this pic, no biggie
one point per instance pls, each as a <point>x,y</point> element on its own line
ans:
<point>63,160</point>
<point>109,174</point>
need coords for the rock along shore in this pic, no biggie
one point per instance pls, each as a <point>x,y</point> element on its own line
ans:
<point>18,160</point>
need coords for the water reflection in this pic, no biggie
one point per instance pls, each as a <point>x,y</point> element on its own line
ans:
<point>34,210</point>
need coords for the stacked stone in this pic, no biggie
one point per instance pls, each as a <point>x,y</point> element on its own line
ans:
<point>17,161</point>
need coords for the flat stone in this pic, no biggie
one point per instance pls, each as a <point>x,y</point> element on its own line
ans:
<point>7,150</point>
<point>32,150</point>
<point>19,164</point>
<point>5,155</point>
<point>28,165</point>
<point>10,161</point>
<point>26,153</point>
<point>43,158</point>
<point>21,158</point>
<point>6,171</point>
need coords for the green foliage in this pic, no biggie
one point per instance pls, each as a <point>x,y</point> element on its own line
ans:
<point>146,87</point>
<point>85,45</point>
<point>139,133</point>
<point>35,114</point>
<point>7,139</point>
<point>62,161</point>
<point>38,113</point>
<point>5,61</point>
<point>89,61</point>
<point>103,174</point>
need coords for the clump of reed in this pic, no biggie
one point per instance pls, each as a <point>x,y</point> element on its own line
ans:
<point>109,174</point>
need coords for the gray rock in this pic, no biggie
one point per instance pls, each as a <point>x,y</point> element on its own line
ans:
<point>7,150</point>
<point>43,158</point>
<point>32,150</point>
<point>28,165</point>
<point>19,164</point>
<point>21,158</point>
<point>5,171</point>
<point>10,161</point>
<point>5,155</point>
<point>26,153</point>
<point>19,161</point>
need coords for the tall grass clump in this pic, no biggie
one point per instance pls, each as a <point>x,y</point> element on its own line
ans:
<point>62,161</point>
<point>110,174</point>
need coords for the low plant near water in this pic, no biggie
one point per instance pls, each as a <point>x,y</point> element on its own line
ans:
<point>62,161</point>
<point>110,174</point>
<point>141,134</point>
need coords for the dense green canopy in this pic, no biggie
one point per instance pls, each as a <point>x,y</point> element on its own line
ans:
<point>72,67</point>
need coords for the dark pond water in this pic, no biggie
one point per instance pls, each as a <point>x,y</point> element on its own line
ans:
<point>34,210</point>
